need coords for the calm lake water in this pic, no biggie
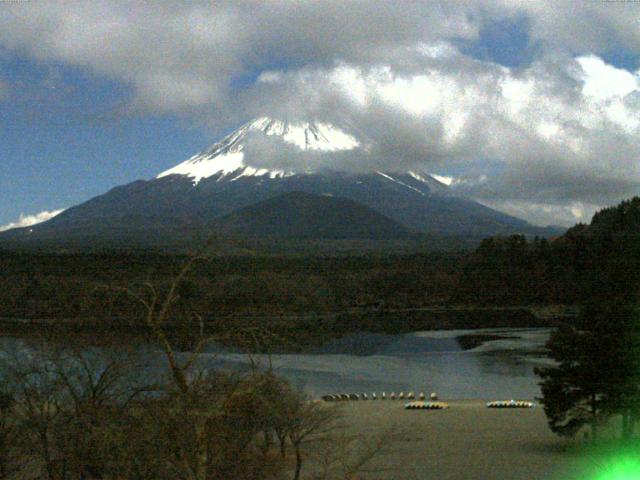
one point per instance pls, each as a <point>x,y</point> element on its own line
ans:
<point>433,361</point>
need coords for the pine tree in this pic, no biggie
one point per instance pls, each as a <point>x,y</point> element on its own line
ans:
<point>597,371</point>
<point>572,394</point>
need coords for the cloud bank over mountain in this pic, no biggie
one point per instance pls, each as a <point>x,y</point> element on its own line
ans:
<point>553,138</point>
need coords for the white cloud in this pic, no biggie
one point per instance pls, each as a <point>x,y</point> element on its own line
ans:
<point>180,56</point>
<point>598,26</point>
<point>29,220</point>
<point>561,132</point>
<point>540,213</point>
<point>603,81</point>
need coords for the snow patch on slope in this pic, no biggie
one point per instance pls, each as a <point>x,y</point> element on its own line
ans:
<point>400,182</point>
<point>227,157</point>
<point>443,179</point>
<point>226,160</point>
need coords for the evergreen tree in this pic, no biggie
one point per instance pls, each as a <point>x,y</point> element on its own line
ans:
<point>597,371</point>
<point>623,377</point>
<point>572,394</point>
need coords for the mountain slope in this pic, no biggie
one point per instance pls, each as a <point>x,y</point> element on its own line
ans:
<point>302,215</point>
<point>239,171</point>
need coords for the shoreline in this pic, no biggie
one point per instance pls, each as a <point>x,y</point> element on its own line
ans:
<point>467,441</point>
<point>299,333</point>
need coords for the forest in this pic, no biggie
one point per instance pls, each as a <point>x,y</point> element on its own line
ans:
<point>502,272</point>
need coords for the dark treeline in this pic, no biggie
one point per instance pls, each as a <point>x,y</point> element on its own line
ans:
<point>596,259</point>
<point>73,285</point>
<point>596,375</point>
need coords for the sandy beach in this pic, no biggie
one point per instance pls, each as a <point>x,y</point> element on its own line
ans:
<point>466,441</point>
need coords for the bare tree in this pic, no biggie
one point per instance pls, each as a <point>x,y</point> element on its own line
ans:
<point>216,435</point>
<point>36,393</point>
<point>68,402</point>
<point>344,457</point>
<point>8,435</point>
<point>309,420</point>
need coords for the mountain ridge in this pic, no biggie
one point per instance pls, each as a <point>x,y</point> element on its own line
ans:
<point>304,215</point>
<point>193,195</point>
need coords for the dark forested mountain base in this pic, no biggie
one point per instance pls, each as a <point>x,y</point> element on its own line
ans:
<point>171,212</point>
<point>73,285</point>
<point>600,260</point>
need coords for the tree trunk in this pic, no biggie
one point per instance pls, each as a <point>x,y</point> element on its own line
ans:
<point>266,444</point>
<point>626,424</point>
<point>594,418</point>
<point>46,454</point>
<point>296,475</point>
<point>282,439</point>
<point>201,454</point>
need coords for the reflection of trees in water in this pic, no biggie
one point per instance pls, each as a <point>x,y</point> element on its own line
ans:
<point>465,373</point>
<point>470,341</point>
<point>503,363</point>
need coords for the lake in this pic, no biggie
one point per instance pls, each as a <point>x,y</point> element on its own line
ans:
<point>460,364</point>
<point>433,361</point>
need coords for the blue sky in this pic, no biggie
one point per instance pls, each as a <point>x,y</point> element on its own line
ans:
<point>67,137</point>
<point>82,111</point>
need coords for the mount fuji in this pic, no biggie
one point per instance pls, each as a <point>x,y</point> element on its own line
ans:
<point>242,186</point>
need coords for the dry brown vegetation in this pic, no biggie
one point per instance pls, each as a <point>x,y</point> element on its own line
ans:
<point>71,411</point>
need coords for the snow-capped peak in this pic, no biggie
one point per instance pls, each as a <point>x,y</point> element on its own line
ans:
<point>227,157</point>
<point>227,162</point>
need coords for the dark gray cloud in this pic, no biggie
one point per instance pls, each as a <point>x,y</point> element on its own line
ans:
<point>554,139</point>
<point>598,27</point>
<point>188,54</point>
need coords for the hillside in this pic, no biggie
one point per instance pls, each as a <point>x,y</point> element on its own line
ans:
<point>189,200</point>
<point>302,215</point>
<point>598,260</point>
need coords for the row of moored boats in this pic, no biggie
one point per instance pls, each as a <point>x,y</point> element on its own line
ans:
<point>421,403</point>
<point>383,396</point>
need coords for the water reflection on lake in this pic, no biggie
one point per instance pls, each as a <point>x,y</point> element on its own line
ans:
<point>420,361</point>
<point>427,362</point>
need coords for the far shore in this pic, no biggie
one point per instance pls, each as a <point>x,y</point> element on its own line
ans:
<point>301,331</point>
